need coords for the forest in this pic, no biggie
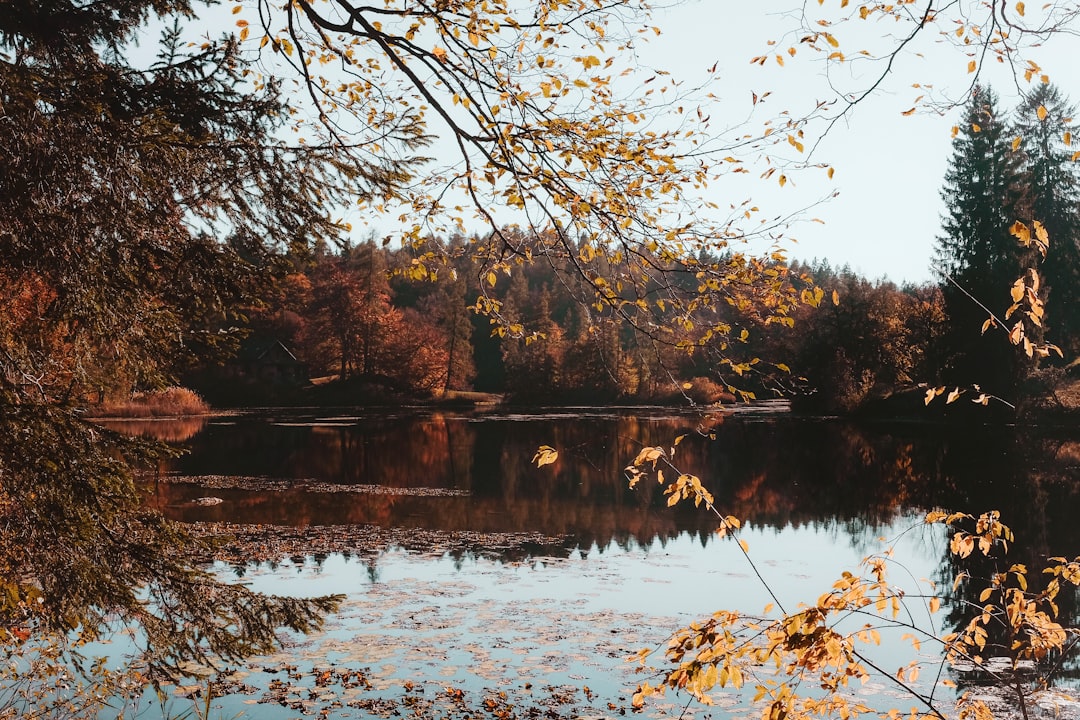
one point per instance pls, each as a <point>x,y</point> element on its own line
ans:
<point>373,316</point>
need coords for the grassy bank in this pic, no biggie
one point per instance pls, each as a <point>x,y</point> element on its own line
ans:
<point>170,402</point>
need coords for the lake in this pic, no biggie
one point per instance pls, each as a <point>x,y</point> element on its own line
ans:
<point>478,584</point>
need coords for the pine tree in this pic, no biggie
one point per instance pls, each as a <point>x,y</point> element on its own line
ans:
<point>1052,197</point>
<point>138,212</point>
<point>976,257</point>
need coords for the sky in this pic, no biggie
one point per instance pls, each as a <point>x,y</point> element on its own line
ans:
<point>889,167</point>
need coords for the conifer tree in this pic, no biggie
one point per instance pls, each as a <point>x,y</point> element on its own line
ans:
<point>1052,197</point>
<point>138,210</point>
<point>976,258</point>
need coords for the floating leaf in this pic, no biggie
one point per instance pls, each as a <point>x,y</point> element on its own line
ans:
<point>545,455</point>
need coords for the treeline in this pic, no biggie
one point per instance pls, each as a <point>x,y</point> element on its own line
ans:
<point>358,312</point>
<point>356,315</point>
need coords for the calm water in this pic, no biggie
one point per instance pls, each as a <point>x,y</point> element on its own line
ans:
<point>623,570</point>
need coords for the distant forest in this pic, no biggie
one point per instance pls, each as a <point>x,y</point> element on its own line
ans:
<point>360,313</point>
<point>354,313</point>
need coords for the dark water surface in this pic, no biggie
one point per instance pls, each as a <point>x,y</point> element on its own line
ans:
<point>815,496</point>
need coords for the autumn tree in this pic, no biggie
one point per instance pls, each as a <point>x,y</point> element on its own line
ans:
<point>450,310</point>
<point>350,305</point>
<point>539,121</point>
<point>355,327</point>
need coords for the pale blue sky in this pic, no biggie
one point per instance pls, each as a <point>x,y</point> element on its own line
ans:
<point>888,168</point>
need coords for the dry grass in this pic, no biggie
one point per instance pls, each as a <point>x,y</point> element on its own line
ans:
<point>170,402</point>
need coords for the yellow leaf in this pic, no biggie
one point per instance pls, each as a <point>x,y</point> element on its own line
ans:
<point>835,298</point>
<point>985,594</point>
<point>1021,232</point>
<point>545,455</point>
<point>952,396</point>
<point>743,544</point>
<point>1020,9</point>
<point>1041,112</point>
<point>971,66</point>
<point>439,53</point>
<point>832,171</point>
<point>491,278</point>
<point>1016,142</point>
<point>930,394</point>
<point>783,180</point>
<point>1041,235</point>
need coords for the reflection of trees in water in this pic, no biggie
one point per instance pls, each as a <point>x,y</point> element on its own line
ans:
<point>832,476</point>
<point>1033,480</point>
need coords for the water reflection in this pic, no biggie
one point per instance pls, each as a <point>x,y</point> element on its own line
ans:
<point>774,472</point>
<point>816,494</point>
<point>173,430</point>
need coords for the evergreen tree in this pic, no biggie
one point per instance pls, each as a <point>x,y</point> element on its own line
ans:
<point>976,257</point>
<point>113,177</point>
<point>1052,197</point>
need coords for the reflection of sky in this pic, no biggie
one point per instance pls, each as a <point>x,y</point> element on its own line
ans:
<point>565,621</point>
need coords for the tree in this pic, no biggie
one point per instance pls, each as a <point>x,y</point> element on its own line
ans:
<point>533,360</point>
<point>138,207</point>
<point>529,98</point>
<point>977,259</point>
<point>350,305</point>
<point>448,307</point>
<point>1052,197</point>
